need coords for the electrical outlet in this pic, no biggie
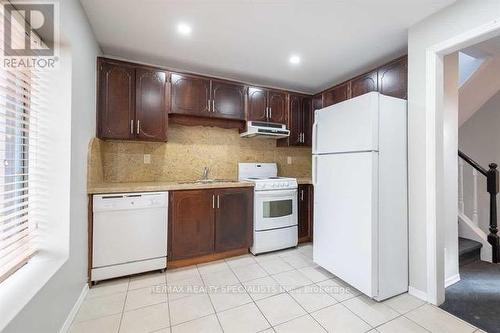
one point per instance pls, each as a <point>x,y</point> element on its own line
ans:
<point>147,158</point>
<point>289,160</point>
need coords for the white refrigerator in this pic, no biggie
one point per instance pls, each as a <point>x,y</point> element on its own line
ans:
<point>360,193</point>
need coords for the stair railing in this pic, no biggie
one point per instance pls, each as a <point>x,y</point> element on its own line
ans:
<point>492,188</point>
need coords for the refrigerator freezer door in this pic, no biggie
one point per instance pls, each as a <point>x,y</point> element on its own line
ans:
<point>348,126</point>
<point>345,217</point>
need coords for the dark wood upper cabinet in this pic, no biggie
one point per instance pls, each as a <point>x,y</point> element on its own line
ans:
<point>296,119</point>
<point>337,94</point>
<point>228,100</point>
<point>305,212</point>
<point>191,224</point>
<point>116,100</point>
<point>233,219</point>
<point>257,104</point>
<point>152,96</point>
<point>307,121</point>
<point>277,107</point>
<point>364,84</point>
<point>190,95</point>
<point>393,78</point>
<point>317,102</point>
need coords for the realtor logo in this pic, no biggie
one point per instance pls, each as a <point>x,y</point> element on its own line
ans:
<point>30,35</point>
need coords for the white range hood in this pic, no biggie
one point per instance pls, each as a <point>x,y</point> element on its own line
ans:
<point>262,129</point>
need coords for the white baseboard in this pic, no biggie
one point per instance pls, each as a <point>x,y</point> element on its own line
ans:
<point>451,280</point>
<point>74,310</point>
<point>417,293</point>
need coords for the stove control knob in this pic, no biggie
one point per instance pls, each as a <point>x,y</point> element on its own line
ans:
<point>282,185</point>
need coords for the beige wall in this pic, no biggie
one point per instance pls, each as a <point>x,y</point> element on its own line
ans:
<point>187,152</point>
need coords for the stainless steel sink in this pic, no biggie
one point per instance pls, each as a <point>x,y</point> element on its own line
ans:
<point>208,181</point>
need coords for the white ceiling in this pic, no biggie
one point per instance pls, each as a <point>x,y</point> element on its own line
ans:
<point>252,40</point>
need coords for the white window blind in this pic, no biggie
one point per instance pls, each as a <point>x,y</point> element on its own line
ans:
<point>19,114</point>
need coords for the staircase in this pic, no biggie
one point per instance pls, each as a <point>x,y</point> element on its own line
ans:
<point>469,251</point>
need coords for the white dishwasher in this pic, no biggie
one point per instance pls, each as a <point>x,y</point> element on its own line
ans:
<point>129,234</point>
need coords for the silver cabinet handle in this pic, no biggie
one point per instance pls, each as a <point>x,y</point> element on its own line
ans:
<point>208,105</point>
<point>132,126</point>
<point>213,200</point>
<point>267,112</point>
<point>218,202</point>
<point>213,105</point>
<point>301,195</point>
<point>138,126</point>
<point>270,112</point>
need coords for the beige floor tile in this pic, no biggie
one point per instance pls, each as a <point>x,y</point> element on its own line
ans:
<point>189,308</point>
<point>208,324</point>
<point>146,319</point>
<point>298,261</point>
<point>249,272</point>
<point>280,308</point>
<point>266,257</point>
<point>404,303</point>
<point>183,288</point>
<point>300,325</point>
<point>225,298</point>
<point>437,320</point>
<point>263,288</point>
<point>221,278</point>
<point>180,274</point>
<point>108,324</point>
<point>110,287</point>
<point>288,252</point>
<point>243,260</point>
<point>93,308</point>
<point>275,266</point>
<point>143,297</point>
<point>214,266</point>
<point>337,318</point>
<point>401,324</point>
<point>312,298</point>
<point>374,313</point>
<point>147,280</point>
<point>292,279</point>
<point>316,273</point>
<point>243,319</point>
<point>338,289</point>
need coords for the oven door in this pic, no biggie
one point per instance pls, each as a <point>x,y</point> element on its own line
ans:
<point>275,209</point>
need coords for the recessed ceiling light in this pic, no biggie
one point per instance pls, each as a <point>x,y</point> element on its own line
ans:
<point>295,59</point>
<point>184,29</point>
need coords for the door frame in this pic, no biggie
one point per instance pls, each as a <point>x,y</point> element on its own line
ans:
<point>434,102</point>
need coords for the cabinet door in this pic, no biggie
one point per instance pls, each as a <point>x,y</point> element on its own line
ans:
<point>233,219</point>
<point>296,118</point>
<point>191,221</point>
<point>393,78</point>
<point>116,96</point>
<point>228,100</point>
<point>317,102</point>
<point>257,104</point>
<point>337,94</point>
<point>305,207</point>
<point>277,107</point>
<point>307,122</point>
<point>190,95</point>
<point>151,104</point>
<point>364,84</point>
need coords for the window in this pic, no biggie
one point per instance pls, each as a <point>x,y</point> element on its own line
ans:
<point>18,142</point>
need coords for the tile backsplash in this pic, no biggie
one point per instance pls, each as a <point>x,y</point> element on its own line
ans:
<point>188,150</point>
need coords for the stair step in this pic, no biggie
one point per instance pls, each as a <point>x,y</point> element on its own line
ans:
<point>469,250</point>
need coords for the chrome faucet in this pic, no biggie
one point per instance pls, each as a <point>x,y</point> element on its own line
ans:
<point>205,173</point>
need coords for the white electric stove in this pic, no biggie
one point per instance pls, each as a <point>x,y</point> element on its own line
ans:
<point>275,207</point>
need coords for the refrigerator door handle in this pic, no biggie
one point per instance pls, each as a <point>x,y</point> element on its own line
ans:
<point>314,167</point>
<point>314,137</point>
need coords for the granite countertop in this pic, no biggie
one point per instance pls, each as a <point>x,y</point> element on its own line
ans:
<point>304,181</point>
<point>104,188</point>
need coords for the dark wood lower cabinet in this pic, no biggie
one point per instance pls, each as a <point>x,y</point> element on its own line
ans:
<point>207,222</point>
<point>191,224</point>
<point>233,219</point>
<point>305,200</point>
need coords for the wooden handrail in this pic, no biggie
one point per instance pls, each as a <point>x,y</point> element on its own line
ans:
<point>473,163</point>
